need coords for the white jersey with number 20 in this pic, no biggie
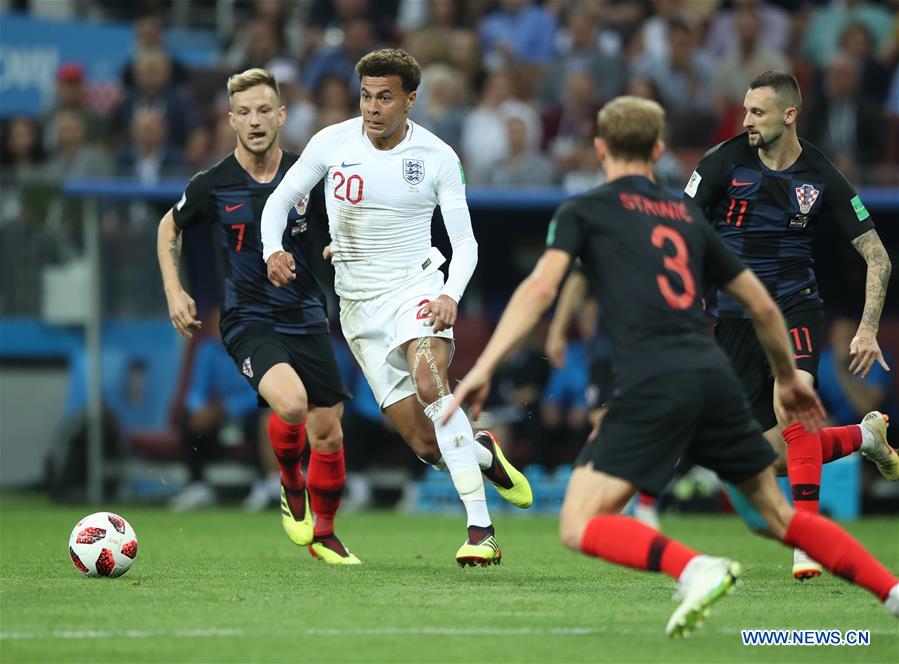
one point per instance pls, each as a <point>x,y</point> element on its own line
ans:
<point>380,204</point>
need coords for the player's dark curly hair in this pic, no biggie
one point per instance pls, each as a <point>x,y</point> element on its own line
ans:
<point>784,85</point>
<point>391,62</point>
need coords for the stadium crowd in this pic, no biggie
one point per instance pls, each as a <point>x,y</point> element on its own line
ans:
<point>512,85</point>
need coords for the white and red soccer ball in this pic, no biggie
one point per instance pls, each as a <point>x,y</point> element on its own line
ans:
<point>103,544</point>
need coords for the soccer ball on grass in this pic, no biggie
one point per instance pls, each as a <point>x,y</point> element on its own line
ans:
<point>103,544</point>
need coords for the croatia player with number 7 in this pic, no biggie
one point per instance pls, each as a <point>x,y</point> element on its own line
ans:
<point>278,337</point>
<point>649,257</point>
<point>384,176</point>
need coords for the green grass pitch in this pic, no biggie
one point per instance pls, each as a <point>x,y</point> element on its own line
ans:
<point>224,586</point>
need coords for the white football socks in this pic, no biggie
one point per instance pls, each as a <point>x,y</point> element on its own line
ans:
<point>458,447</point>
<point>869,439</point>
<point>485,459</point>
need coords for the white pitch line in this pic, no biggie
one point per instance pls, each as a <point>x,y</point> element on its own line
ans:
<point>119,634</point>
<point>367,631</point>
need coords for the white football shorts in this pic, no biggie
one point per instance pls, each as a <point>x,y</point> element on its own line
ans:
<point>378,328</point>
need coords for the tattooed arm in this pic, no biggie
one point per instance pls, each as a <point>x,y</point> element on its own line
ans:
<point>864,348</point>
<point>182,308</point>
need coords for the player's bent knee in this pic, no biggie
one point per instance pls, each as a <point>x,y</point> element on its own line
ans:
<point>427,390</point>
<point>332,441</point>
<point>292,411</point>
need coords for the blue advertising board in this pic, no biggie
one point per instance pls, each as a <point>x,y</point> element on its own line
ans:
<point>32,49</point>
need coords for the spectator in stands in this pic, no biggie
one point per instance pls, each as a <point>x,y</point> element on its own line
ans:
<point>774,32</point>
<point>71,94</point>
<point>333,104</point>
<point>415,14</point>
<point>340,60</point>
<point>22,152</point>
<point>21,157</point>
<point>746,57</point>
<point>652,38</point>
<point>857,42</point>
<point>523,165</point>
<point>261,45</point>
<point>846,126</point>
<point>221,409</point>
<point>439,106</point>
<point>300,106</point>
<point>581,53</point>
<point>684,79</point>
<point>822,35</point>
<point>484,142</point>
<point>572,120</point>
<point>519,31</point>
<point>149,35</point>
<point>847,397</point>
<point>586,171</point>
<point>150,156</point>
<point>465,55</point>
<point>288,19</point>
<point>153,89</point>
<point>668,170</point>
<point>73,154</point>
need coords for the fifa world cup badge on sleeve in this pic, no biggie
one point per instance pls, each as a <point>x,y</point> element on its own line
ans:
<point>693,185</point>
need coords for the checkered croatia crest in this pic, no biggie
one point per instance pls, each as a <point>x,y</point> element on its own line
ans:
<point>806,195</point>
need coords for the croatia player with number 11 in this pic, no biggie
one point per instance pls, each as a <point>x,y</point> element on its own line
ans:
<point>384,176</point>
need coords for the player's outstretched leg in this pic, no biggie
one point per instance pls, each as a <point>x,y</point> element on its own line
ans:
<point>822,539</point>
<point>590,523</point>
<point>456,442</point>
<point>875,447</point>
<point>327,479</point>
<point>510,483</point>
<point>288,441</point>
<point>702,580</point>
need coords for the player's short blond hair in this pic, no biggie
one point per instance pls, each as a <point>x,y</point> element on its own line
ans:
<point>630,127</point>
<point>251,78</point>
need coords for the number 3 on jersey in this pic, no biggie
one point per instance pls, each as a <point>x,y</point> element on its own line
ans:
<point>676,264</point>
<point>348,189</point>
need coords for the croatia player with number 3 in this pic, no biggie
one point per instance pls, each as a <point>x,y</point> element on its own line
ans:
<point>384,176</point>
<point>765,192</point>
<point>649,256</point>
<point>279,338</point>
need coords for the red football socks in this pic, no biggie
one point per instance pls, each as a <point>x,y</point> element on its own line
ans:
<point>837,442</point>
<point>839,552</point>
<point>625,541</point>
<point>327,478</point>
<point>803,466</point>
<point>288,441</point>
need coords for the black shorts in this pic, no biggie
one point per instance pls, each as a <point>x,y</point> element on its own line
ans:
<point>737,339</point>
<point>601,383</point>
<point>311,355</point>
<point>698,415</point>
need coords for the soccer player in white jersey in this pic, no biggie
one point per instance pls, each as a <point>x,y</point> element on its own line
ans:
<point>384,176</point>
